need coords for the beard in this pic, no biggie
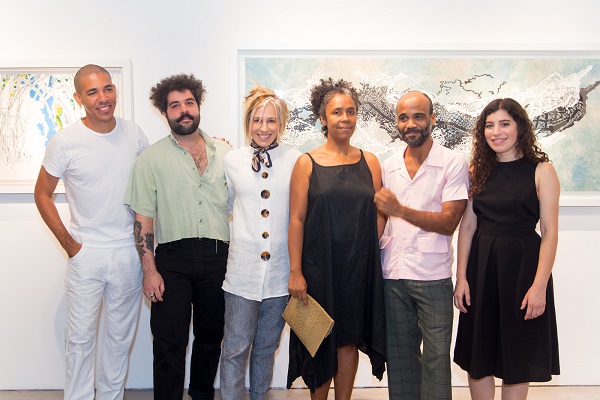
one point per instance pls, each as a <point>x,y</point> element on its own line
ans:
<point>184,130</point>
<point>419,140</point>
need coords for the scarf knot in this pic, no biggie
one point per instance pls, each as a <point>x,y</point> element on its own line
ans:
<point>261,155</point>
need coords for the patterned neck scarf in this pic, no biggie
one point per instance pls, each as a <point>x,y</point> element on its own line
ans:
<point>261,155</point>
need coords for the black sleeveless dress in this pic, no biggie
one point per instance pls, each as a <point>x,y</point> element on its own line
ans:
<point>493,338</point>
<point>342,268</point>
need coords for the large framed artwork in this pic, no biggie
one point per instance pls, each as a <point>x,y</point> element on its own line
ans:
<point>560,90</point>
<point>36,101</point>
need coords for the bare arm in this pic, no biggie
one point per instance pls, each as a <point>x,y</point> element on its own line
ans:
<point>375,168</point>
<point>153,285</point>
<point>548,188</point>
<point>443,222</point>
<point>468,225</point>
<point>44,189</point>
<point>298,207</point>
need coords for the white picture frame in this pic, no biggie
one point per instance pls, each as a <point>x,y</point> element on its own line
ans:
<point>36,101</point>
<point>277,68</point>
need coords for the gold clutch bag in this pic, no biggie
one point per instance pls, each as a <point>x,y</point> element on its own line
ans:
<point>311,324</point>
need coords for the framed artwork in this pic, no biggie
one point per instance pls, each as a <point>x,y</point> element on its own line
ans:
<point>559,90</point>
<point>36,102</point>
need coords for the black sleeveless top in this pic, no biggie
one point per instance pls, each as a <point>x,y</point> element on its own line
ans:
<point>342,268</point>
<point>493,338</point>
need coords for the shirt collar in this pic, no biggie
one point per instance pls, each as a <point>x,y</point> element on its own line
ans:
<point>207,139</point>
<point>434,158</point>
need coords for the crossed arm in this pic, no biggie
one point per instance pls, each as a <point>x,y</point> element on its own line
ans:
<point>444,222</point>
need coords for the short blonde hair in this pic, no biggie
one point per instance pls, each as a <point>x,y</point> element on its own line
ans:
<point>260,96</point>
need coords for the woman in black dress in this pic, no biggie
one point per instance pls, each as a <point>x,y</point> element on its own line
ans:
<point>507,325</point>
<point>333,245</point>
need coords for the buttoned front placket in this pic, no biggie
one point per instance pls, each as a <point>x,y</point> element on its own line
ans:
<point>201,199</point>
<point>264,191</point>
<point>404,242</point>
<point>199,181</point>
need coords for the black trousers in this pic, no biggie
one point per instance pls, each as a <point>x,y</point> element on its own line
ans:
<point>193,271</point>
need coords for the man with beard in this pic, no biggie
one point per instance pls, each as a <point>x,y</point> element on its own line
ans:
<point>424,196</point>
<point>178,189</point>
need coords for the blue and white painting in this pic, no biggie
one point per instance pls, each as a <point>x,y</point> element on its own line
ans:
<point>561,95</point>
<point>34,104</point>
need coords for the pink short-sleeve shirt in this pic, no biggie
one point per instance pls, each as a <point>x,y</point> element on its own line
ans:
<point>408,252</point>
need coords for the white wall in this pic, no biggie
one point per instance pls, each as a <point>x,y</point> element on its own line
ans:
<point>200,36</point>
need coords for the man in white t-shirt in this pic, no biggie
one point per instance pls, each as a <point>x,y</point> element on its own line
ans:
<point>94,157</point>
<point>425,194</point>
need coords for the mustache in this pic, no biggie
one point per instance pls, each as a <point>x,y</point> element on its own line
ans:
<point>184,116</point>
<point>413,130</point>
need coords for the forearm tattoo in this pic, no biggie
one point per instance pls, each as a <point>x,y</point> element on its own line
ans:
<point>139,240</point>
<point>150,241</point>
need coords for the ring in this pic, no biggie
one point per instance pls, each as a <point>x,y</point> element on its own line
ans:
<point>151,296</point>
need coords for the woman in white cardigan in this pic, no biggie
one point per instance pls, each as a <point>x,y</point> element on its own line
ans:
<point>256,283</point>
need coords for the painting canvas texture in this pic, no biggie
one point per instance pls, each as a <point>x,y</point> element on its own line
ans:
<point>561,96</point>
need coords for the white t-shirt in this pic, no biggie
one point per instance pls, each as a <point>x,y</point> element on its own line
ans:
<point>258,266</point>
<point>95,169</point>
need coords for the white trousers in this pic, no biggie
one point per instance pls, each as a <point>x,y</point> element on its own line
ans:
<point>111,278</point>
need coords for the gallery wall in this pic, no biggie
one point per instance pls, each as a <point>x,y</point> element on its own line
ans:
<point>162,38</point>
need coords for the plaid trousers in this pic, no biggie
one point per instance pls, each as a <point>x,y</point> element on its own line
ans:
<point>419,312</point>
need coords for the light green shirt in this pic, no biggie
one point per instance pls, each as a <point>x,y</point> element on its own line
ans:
<point>165,185</point>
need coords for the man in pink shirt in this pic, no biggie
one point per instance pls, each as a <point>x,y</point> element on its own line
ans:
<point>424,196</point>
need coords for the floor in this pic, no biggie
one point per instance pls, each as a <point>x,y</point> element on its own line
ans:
<point>535,393</point>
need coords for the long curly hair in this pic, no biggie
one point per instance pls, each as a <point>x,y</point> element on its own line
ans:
<point>321,95</point>
<point>179,83</point>
<point>260,96</point>
<point>483,158</point>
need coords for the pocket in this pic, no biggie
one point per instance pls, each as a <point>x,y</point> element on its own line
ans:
<point>222,247</point>
<point>432,243</point>
<point>79,254</point>
<point>384,241</point>
<point>218,193</point>
<point>387,253</point>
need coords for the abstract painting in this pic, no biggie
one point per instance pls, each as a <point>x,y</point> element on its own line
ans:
<point>560,91</point>
<point>35,103</point>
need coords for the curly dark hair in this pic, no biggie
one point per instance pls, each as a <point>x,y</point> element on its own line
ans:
<point>179,83</point>
<point>483,158</point>
<point>321,94</point>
